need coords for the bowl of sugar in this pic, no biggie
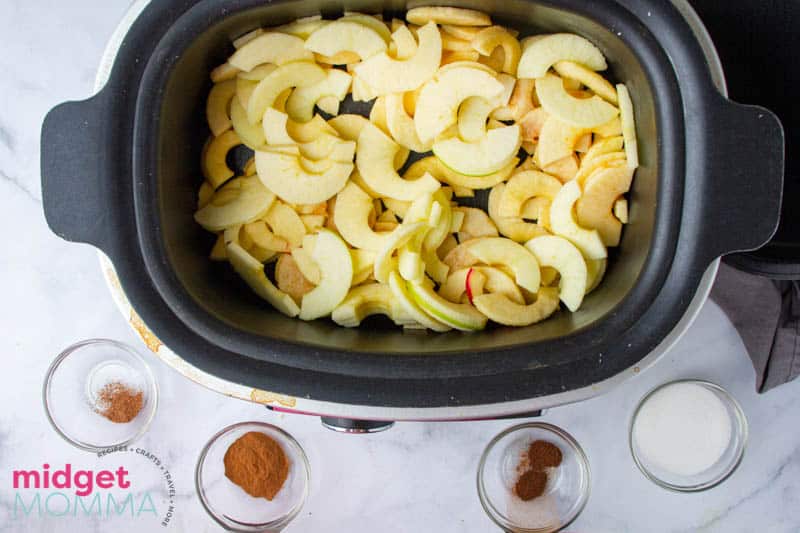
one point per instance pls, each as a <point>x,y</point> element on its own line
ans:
<point>688,435</point>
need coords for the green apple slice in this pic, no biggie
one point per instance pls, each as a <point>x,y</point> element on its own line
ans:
<point>290,180</point>
<point>295,74</point>
<point>502,251</point>
<point>249,199</point>
<point>539,54</point>
<point>300,105</point>
<point>500,309</point>
<point>401,292</point>
<point>375,160</point>
<point>463,317</point>
<point>346,36</point>
<point>562,255</point>
<point>271,47</point>
<point>488,155</point>
<point>385,75</point>
<point>351,218</point>
<point>336,266</point>
<point>562,222</point>
<point>252,272</point>
<point>579,112</point>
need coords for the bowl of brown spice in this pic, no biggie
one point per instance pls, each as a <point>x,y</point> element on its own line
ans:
<point>533,477</point>
<point>100,394</point>
<point>252,477</point>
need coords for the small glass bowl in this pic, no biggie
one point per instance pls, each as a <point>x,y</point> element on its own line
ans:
<point>229,505</point>
<point>711,477</point>
<point>567,489</point>
<point>71,388</point>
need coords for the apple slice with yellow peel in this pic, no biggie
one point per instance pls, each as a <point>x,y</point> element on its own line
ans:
<point>385,74</point>
<point>595,270</point>
<point>284,175</point>
<point>589,78</point>
<point>215,166</point>
<point>498,308</point>
<point>271,47</point>
<point>486,156</point>
<point>252,272</point>
<point>600,192</point>
<point>251,135</point>
<point>250,200</point>
<point>578,112</point>
<point>217,106</point>
<point>401,125</point>
<point>440,98</point>
<point>522,187</point>
<point>538,55</point>
<point>564,224</point>
<point>300,105</point>
<point>628,125</point>
<point>336,266</point>
<point>375,160</point>
<point>455,16</point>
<point>295,74</point>
<point>351,216</point>
<point>486,40</point>
<point>366,300</point>
<point>501,251</point>
<point>410,306</point>
<point>557,140</point>
<point>348,126</point>
<point>560,254</point>
<point>463,317</point>
<point>303,27</point>
<point>346,36</point>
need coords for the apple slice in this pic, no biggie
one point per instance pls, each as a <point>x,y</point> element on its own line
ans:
<point>538,55</point>
<point>404,43</point>
<point>280,130</point>
<point>612,128</point>
<point>349,126</point>
<point>522,187</point>
<point>437,169</point>
<point>366,300</point>
<point>472,117</point>
<point>589,78</point>
<point>628,125</point>
<point>476,223</point>
<point>590,165</point>
<point>563,223</point>
<point>284,175</point>
<point>595,270</point>
<point>401,126</point>
<point>409,305</point>
<point>271,47</point>
<point>258,73</point>
<point>286,223</point>
<point>375,160</point>
<point>603,146</point>
<point>300,105</point>
<point>396,240</point>
<point>474,284</point>
<point>385,74</point>
<point>346,36</point>
<point>557,140</point>
<point>463,317</point>
<point>247,37</point>
<point>439,100</point>
<point>217,106</point>
<point>295,74</point>
<point>562,255</point>
<point>251,135</point>
<point>289,278</point>
<point>257,233</point>
<point>488,155</point>
<point>621,210</point>
<point>461,32</point>
<point>500,309</point>
<point>600,193</point>
<point>460,256</point>
<point>305,261</point>
<point>494,281</point>
<point>515,228</point>
<point>455,16</point>
<point>214,165</point>
<point>336,266</point>
<point>578,112</point>
<point>490,38</point>
<point>303,27</point>
<point>564,169</point>
<point>224,72</point>
<point>370,22</point>
<point>502,251</point>
<point>249,201</point>
<point>351,216</point>
<point>252,272</point>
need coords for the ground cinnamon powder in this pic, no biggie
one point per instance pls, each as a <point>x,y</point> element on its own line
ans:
<point>258,464</point>
<point>119,403</point>
<point>532,479</point>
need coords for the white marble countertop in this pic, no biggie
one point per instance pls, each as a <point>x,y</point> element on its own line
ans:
<point>415,477</point>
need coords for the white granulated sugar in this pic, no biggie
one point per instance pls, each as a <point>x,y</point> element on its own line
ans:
<point>683,428</point>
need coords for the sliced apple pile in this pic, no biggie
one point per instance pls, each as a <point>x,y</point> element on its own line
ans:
<point>355,230</point>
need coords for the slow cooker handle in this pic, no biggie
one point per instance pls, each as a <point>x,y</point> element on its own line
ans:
<point>743,168</point>
<point>75,163</point>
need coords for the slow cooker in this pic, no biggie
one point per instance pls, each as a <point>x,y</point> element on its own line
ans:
<point>119,171</point>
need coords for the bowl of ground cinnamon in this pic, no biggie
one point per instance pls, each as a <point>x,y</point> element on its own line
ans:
<point>533,477</point>
<point>100,394</point>
<point>252,476</point>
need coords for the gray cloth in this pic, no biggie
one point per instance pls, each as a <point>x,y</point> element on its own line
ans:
<point>767,314</point>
